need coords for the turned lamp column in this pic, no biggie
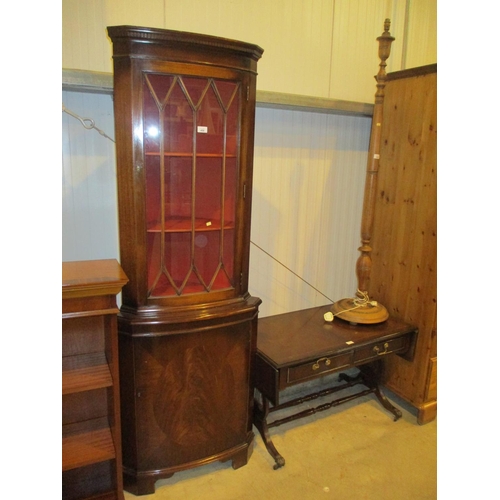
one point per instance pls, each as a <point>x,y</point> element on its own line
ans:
<point>364,263</point>
<point>361,309</point>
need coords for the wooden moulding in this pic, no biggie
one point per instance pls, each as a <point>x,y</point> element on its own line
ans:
<point>411,72</point>
<point>92,278</point>
<point>102,83</point>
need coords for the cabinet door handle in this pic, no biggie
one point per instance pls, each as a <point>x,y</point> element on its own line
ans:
<point>377,349</point>
<point>316,365</point>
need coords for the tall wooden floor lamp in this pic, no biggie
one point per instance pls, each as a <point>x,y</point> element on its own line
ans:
<point>361,309</point>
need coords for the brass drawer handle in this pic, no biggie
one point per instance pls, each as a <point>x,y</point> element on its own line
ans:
<point>316,365</point>
<point>377,349</point>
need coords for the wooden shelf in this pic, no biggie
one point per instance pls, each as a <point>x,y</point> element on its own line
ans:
<point>190,155</point>
<point>80,450</point>
<point>183,225</point>
<point>85,372</point>
<point>102,83</point>
<point>189,288</point>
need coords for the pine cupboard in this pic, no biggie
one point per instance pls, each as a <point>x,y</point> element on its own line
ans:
<point>184,121</point>
<point>404,271</point>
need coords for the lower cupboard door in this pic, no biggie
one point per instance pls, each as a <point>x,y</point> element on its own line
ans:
<point>192,395</point>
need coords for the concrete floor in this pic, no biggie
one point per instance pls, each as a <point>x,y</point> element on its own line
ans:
<point>354,451</point>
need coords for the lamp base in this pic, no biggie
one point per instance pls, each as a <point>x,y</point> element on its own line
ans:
<point>366,314</point>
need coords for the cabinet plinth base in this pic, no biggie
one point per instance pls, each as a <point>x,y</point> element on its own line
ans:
<point>143,482</point>
<point>427,412</point>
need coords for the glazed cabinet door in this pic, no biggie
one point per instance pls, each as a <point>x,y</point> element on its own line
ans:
<point>191,130</point>
<point>184,190</point>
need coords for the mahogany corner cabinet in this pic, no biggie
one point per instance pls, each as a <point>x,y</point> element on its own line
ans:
<point>184,109</point>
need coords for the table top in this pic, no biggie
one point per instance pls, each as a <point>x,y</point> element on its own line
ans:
<point>299,335</point>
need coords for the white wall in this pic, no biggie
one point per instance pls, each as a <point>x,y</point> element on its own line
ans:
<point>322,48</point>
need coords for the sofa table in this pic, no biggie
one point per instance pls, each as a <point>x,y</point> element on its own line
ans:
<point>300,346</point>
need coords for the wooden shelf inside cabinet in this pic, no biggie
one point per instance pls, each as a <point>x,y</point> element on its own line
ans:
<point>189,155</point>
<point>91,431</point>
<point>184,225</point>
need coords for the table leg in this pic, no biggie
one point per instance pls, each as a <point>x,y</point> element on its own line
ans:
<point>261,412</point>
<point>370,375</point>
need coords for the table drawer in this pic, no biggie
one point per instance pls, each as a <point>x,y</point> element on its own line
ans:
<point>380,349</point>
<point>321,366</point>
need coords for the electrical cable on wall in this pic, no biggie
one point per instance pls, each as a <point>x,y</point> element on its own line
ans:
<point>288,269</point>
<point>360,300</point>
<point>88,123</point>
